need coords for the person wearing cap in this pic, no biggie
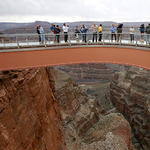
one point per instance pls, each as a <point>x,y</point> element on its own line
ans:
<point>131,30</point>
<point>100,32</point>
<point>94,27</point>
<point>148,34</point>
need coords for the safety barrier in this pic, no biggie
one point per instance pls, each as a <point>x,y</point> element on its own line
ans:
<point>13,41</point>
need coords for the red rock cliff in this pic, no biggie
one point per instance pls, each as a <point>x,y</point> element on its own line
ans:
<point>29,115</point>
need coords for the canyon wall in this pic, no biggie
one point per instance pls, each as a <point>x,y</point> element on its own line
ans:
<point>88,72</point>
<point>30,118</point>
<point>130,92</point>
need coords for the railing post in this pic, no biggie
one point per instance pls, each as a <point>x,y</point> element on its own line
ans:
<point>17,41</point>
<point>27,41</point>
<point>103,39</point>
<point>136,40</point>
<point>44,40</point>
<point>87,40</point>
<point>120,39</point>
<point>69,40</point>
<point>3,42</point>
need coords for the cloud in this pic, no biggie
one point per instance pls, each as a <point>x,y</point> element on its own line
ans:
<point>74,10</point>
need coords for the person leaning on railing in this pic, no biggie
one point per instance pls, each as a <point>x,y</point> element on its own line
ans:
<point>132,33</point>
<point>113,30</point>
<point>100,32</point>
<point>148,34</point>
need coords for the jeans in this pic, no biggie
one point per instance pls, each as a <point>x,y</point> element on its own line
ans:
<point>84,37</point>
<point>100,36</point>
<point>147,37</point>
<point>65,36</point>
<point>113,34</point>
<point>39,38</point>
<point>95,36</point>
<point>42,38</point>
<point>119,37</point>
<point>57,38</point>
<point>132,37</point>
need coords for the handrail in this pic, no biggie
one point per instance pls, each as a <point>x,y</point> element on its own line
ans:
<point>9,41</point>
<point>69,33</point>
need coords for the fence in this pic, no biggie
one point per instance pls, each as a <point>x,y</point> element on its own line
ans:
<point>32,40</point>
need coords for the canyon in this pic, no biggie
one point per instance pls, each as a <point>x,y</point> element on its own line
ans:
<point>45,109</point>
<point>87,123</point>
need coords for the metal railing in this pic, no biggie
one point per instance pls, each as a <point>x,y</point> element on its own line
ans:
<point>8,41</point>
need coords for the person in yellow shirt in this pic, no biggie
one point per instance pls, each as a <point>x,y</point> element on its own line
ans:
<point>100,32</point>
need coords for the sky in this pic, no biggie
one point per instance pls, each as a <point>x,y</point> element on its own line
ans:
<point>74,10</point>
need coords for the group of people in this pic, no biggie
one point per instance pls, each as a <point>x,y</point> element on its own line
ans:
<point>55,31</point>
<point>96,31</point>
<point>147,30</point>
<point>119,31</point>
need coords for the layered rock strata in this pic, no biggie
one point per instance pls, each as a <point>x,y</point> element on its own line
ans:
<point>88,72</point>
<point>30,118</point>
<point>130,92</point>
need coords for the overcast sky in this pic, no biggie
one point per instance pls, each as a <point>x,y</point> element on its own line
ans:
<point>74,10</point>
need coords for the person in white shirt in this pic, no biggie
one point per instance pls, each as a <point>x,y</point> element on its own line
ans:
<point>132,33</point>
<point>65,30</point>
<point>94,27</point>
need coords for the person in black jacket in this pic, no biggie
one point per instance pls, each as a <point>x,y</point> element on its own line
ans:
<point>119,30</point>
<point>142,30</point>
<point>57,33</point>
<point>38,31</point>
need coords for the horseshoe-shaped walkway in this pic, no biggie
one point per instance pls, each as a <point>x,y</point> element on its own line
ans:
<point>63,55</point>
